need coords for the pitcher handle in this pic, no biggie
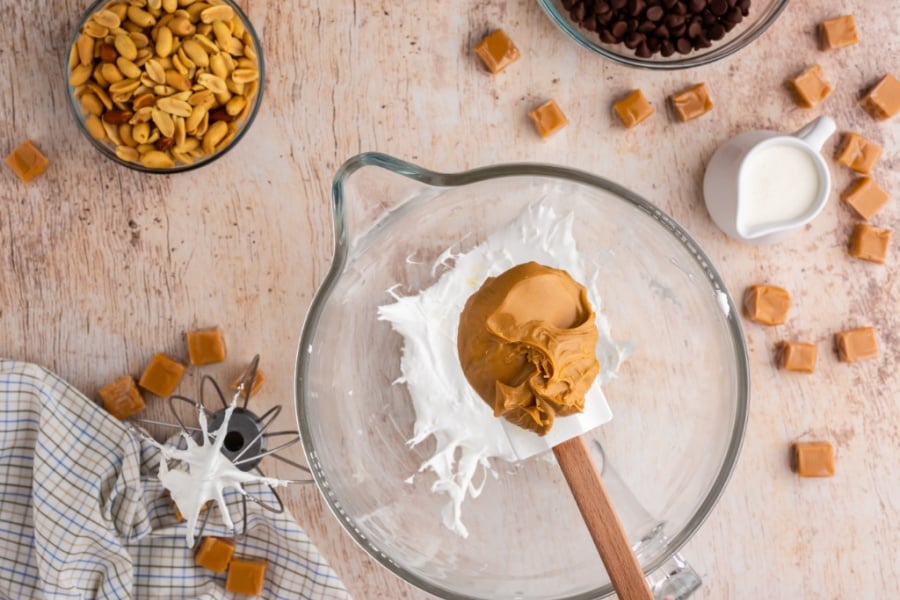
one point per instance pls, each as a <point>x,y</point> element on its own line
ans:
<point>816,132</point>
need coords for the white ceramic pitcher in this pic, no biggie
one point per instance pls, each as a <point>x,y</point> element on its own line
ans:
<point>722,187</point>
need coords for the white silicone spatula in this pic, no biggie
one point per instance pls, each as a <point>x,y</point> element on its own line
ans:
<point>587,488</point>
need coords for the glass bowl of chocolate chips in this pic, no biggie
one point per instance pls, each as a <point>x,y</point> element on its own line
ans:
<point>664,34</point>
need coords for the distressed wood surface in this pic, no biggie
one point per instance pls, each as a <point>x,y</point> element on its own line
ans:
<point>100,266</point>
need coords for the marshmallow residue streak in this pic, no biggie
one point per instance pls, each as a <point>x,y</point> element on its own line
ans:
<point>208,473</point>
<point>467,434</point>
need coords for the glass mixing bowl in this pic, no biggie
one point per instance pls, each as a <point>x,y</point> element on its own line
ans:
<point>679,401</point>
<point>762,14</point>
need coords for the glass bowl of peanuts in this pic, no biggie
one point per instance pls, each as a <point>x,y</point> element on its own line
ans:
<point>164,86</point>
<point>663,34</point>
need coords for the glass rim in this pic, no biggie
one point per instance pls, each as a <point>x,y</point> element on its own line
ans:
<point>715,53</point>
<point>450,180</point>
<point>109,151</point>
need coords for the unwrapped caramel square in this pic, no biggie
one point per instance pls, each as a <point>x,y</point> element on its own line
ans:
<point>812,459</point>
<point>858,153</point>
<point>767,304</point>
<point>633,108</point>
<point>258,380</point>
<point>121,398</point>
<point>865,197</point>
<point>798,356</point>
<point>206,346</point>
<point>692,102</point>
<point>856,344</point>
<point>810,87</point>
<point>26,161</point>
<point>246,576</point>
<point>883,100</point>
<point>838,32</point>
<point>869,243</point>
<point>548,118</point>
<point>497,51</point>
<point>161,376</point>
<point>215,553</point>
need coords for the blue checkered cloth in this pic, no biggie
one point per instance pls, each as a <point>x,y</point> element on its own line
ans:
<point>81,516</point>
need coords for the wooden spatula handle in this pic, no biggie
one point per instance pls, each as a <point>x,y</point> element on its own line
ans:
<point>602,521</point>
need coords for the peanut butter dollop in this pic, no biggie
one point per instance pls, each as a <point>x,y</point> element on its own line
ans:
<point>527,344</point>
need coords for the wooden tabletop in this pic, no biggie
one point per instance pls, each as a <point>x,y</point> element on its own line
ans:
<point>101,266</point>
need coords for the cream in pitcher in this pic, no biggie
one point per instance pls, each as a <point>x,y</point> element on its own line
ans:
<point>777,183</point>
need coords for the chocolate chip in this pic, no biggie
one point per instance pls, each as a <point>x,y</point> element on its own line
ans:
<point>647,27</point>
<point>683,45</point>
<point>617,4</point>
<point>709,18</point>
<point>633,40</point>
<point>643,51</point>
<point>716,32</point>
<point>697,6</point>
<point>674,21</point>
<point>718,7</point>
<point>579,10</point>
<point>701,41</point>
<point>694,29</point>
<point>653,45</point>
<point>619,29</point>
<point>663,31</point>
<point>666,48</point>
<point>679,31</point>
<point>734,16</point>
<point>607,38</point>
<point>636,7</point>
<point>654,13</point>
<point>590,23</point>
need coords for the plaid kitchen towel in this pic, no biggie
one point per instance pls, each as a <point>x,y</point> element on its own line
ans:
<point>78,521</point>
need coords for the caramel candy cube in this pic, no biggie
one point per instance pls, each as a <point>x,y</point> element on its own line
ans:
<point>858,153</point>
<point>856,344</point>
<point>812,459</point>
<point>548,118</point>
<point>692,102</point>
<point>865,197</point>
<point>121,398</point>
<point>246,576</point>
<point>633,108</point>
<point>767,304</point>
<point>26,161</point>
<point>215,553</point>
<point>206,346</point>
<point>258,380</point>
<point>497,51</point>
<point>810,87</point>
<point>869,243</point>
<point>161,376</point>
<point>883,100</point>
<point>838,32</point>
<point>797,356</point>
